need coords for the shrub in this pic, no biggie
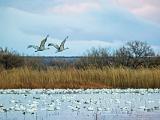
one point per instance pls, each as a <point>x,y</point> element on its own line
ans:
<point>10,59</point>
<point>95,57</point>
<point>36,63</point>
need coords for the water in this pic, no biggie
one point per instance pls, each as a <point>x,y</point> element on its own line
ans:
<point>97,104</point>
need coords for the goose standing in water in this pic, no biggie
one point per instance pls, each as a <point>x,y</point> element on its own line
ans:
<point>60,47</point>
<point>41,47</point>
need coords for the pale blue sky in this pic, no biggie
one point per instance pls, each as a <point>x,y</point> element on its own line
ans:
<point>88,23</point>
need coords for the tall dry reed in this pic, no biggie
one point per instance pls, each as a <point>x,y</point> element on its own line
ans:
<point>80,78</point>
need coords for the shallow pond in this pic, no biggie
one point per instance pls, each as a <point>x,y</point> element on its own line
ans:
<point>79,104</point>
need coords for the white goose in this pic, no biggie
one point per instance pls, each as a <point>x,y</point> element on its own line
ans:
<point>41,47</point>
<point>60,47</point>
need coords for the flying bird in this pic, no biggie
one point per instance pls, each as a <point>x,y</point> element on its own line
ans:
<point>41,47</point>
<point>60,47</point>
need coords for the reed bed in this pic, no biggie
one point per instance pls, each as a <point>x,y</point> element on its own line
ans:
<point>80,78</point>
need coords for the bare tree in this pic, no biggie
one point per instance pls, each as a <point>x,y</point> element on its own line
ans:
<point>135,54</point>
<point>98,57</point>
<point>140,49</point>
<point>122,57</point>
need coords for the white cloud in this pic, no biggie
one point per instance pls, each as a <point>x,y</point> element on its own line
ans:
<point>149,12</point>
<point>148,9</point>
<point>74,8</point>
<point>104,28</point>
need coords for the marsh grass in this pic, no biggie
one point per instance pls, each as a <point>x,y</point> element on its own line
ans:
<point>91,77</point>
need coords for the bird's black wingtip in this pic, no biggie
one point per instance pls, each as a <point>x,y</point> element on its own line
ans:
<point>49,44</point>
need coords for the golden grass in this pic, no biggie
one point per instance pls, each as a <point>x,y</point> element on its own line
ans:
<point>78,78</point>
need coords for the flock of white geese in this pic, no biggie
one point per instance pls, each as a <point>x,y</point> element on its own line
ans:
<point>92,103</point>
<point>42,46</point>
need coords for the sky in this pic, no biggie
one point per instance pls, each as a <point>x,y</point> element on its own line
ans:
<point>88,23</point>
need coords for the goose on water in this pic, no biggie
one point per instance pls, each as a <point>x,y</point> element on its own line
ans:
<point>60,47</point>
<point>41,47</point>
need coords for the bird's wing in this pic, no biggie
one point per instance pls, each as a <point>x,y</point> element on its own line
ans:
<point>32,46</point>
<point>43,42</point>
<point>54,45</point>
<point>62,43</point>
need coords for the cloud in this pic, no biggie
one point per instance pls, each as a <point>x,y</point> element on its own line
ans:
<point>107,26</point>
<point>74,8</point>
<point>148,9</point>
<point>149,12</point>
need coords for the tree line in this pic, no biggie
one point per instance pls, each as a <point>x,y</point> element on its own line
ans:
<point>134,54</point>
